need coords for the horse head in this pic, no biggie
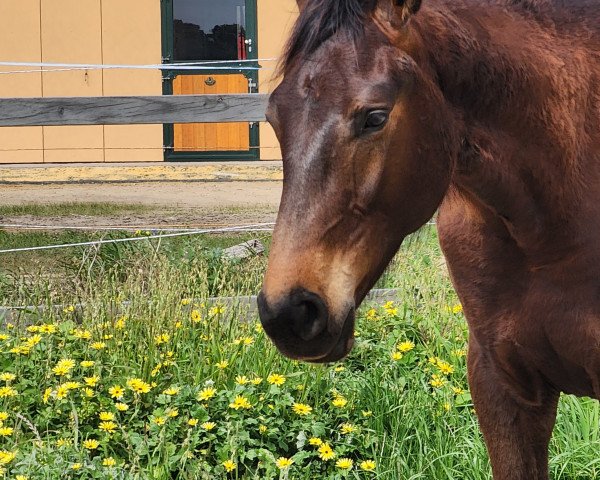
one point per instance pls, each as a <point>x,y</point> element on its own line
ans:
<point>368,147</point>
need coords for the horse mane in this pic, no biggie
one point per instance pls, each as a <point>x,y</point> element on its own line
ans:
<point>319,20</point>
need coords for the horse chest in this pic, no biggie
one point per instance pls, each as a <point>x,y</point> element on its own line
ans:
<point>542,322</point>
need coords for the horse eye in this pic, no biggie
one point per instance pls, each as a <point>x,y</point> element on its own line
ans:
<point>375,120</point>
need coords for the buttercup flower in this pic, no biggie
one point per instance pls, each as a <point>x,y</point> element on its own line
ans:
<point>301,408</point>
<point>344,463</point>
<point>91,444</point>
<point>276,379</point>
<point>240,402</point>
<point>283,463</point>
<point>326,452</point>
<point>206,393</point>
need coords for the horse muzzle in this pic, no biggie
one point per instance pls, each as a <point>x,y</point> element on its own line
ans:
<point>302,327</point>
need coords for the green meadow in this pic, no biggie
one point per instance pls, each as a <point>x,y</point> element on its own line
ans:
<point>137,375</point>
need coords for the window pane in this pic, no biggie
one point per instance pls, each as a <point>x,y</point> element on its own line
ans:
<point>209,30</point>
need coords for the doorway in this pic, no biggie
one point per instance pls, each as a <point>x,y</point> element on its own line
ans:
<point>222,31</point>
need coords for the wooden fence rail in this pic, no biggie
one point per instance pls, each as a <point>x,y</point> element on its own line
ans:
<point>19,112</point>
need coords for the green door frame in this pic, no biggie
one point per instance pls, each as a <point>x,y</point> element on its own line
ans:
<point>169,76</point>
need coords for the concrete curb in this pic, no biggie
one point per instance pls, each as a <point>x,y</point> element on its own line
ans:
<point>141,172</point>
<point>245,305</point>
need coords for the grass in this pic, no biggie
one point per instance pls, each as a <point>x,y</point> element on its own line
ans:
<point>204,395</point>
<point>69,209</point>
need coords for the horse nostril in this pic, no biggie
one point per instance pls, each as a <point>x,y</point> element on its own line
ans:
<point>310,319</point>
<point>304,312</point>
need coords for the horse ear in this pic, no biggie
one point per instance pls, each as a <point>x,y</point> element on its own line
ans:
<point>397,12</point>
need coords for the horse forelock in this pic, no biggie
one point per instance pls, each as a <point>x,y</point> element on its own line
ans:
<point>319,20</point>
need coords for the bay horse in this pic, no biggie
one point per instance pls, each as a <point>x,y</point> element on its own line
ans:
<point>487,112</point>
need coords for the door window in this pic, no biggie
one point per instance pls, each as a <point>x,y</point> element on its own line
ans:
<point>209,30</point>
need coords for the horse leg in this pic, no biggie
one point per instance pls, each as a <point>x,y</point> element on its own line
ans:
<point>516,432</point>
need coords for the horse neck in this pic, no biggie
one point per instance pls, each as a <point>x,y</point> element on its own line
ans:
<point>520,94</point>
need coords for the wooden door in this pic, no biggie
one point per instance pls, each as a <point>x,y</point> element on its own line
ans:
<point>211,137</point>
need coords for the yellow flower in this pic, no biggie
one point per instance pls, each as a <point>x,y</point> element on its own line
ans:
<point>339,402</point>
<point>447,406</point>
<point>48,328</point>
<point>172,413</point>
<point>208,426</point>
<point>397,356</point>
<point>437,381</point>
<point>195,316</point>
<point>6,431</point>
<point>222,365</point>
<point>406,346</point>
<point>371,314</point>
<point>109,462</point>
<point>247,340</point>
<point>390,309</point>
<point>301,408</point>
<point>106,416</point>
<point>367,413</point>
<point>87,363</point>
<point>91,381</point>
<point>217,310</point>
<point>458,390</point>
<point>315,441</point>
<point>241,380</point>
<point>116,392</point>
<point>76,466</point>
<point>159,420</point>
<point>457,308</point>
<point>192,422</point>
<point>326,452</point>
<point>120,323</point>
<point>206,393</point>
<point>162,338</point>
<point>7,377</point>
<point>91,444</point>
<point>256,381</point>
<point>6,457</point>
<point>64,367</point>
<point>240,402</point>
<point>138,385</point>
<point>21,477</point>
<point>3,416</point>
<point>63,442</point>
<point>276,379</point>
<point>445,368</point>
<point>461,352</point>
<point>98,345</point>
<point>262,429</point>
<point>121,407</point>
<point>367,465</point>
<point>283,463</point>
<point>8,392</point>
<point>82,334</point>
<point>347,428</point>
<point>61,392</point>
<point>185,301</point>
<point>72,385</point>
<point>171,391</point>
<point>229,465</point>
<point>4,336</point>
<point>69,309</point>
<point>108,427</point>
<point>344,463</point>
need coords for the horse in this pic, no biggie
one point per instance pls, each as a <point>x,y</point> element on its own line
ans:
<point>486,112</point>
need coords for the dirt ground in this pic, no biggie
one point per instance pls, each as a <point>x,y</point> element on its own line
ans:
<point>169,204</point>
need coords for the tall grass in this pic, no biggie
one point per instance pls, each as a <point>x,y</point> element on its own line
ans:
<point>407,405</point>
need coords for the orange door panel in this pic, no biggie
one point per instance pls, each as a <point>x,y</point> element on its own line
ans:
<point>202,137</point>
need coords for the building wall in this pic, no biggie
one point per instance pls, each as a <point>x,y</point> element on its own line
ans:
<point>275,19</point>
<point>108,32</point>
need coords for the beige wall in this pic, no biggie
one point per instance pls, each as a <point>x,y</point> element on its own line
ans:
<point>109,32</point>
<point>275,19</point>
<point>81,31</point>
